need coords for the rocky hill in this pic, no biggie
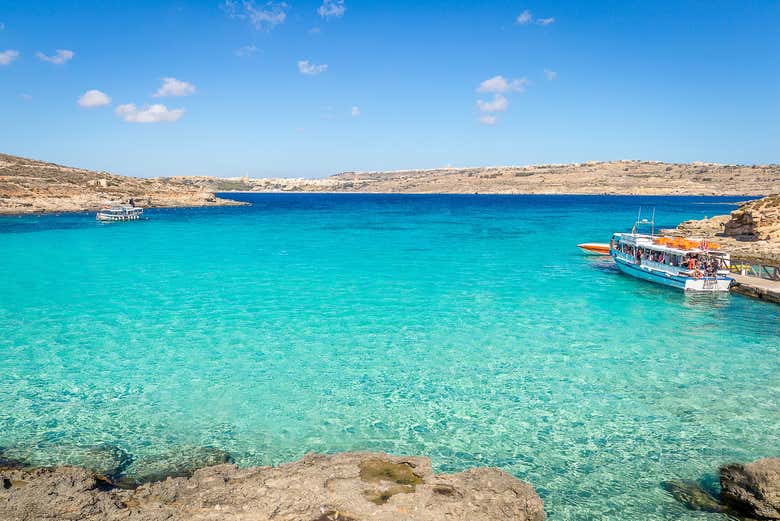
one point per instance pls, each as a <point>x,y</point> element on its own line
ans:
<point>29,186</point>
<point>614,177</point>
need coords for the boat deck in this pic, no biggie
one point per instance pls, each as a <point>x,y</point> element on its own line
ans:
<point>757,288</point>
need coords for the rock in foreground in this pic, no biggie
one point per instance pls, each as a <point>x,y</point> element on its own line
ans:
<point>344,487</point>
<point>753,488</point>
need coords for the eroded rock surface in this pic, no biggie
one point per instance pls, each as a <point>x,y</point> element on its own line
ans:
<point>753,488</point>
<point>751,232</point>
<point>344,487</point>
<point>749,492</point>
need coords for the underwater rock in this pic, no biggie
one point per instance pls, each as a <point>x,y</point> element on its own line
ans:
<point>692,495</point>
<point>315,488</point>
<point>180,463</point>
<point>752,488</point>
<point>105,460</point>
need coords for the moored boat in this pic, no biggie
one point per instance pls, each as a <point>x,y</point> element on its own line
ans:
<point>594,248</point>
<point>687,264</point>
<point>119,213</point>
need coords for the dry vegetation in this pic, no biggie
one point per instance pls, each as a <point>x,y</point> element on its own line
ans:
<point>33,186</point>
<point>28,186</point>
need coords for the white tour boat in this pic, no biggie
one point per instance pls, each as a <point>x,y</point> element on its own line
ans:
<point>691,265</point>
<point>119,213</point>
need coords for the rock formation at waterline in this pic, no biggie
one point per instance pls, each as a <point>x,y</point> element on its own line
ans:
<point>28,186</point>
<point>753,488</point>
<point>344,487</point>
<point>751,232</point>
<point>748,491</point>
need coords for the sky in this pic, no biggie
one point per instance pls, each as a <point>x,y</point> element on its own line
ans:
<point>311,88</point>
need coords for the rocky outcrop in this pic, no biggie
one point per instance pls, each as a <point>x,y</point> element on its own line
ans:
<point>747,491</point>
<point>757,220</point>
<point>28,186</point>
<point>344,487</point>
<point>751,233</point>
<point>753,488</point>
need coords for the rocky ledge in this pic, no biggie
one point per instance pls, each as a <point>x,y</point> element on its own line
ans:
<point>340,487</point>
<point>751,232</point>
<point>747,491</point>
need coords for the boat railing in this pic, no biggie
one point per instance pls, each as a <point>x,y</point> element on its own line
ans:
<point>660,266</point>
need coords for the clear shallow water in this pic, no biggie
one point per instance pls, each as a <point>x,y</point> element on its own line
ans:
<point>466,328</point>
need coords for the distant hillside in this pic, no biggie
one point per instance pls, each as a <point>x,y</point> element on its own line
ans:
<point>614,177</point>
<point>28,186</point>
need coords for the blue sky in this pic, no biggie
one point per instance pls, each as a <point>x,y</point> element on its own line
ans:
<point>309,89</point>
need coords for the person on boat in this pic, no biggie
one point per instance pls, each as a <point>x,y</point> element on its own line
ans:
<point>132,202</point>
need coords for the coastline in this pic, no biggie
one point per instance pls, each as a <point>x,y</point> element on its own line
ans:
<point>346,486</point>
<point>30,186</point>
<point>351,486</point>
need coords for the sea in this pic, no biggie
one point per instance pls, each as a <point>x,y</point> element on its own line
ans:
<point>466,328</point>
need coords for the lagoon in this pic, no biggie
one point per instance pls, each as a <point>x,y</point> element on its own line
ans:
<point>466,328</point>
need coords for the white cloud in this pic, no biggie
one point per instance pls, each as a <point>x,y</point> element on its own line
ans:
<point>332,9</point>
<point>501,84</point>
<point>498,104</point>
<point>8,56</point>
<point>93,98</point>
<point>266,17</point>
<point>174,87</point>
<point>545,21</point>
<point>524,17</point>
<point>25,96</point>
<point>488,119</point>
<point>355,111</point>
<point>60,57</point>
<point>550,75</point>
<point>246,50</point>
<point>149,114</point>
<point>306,67</point>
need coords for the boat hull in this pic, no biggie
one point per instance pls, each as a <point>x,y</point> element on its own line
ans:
<point>594,248</point>
<point>675,281</point>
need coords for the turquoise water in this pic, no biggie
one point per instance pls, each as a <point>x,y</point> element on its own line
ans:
<point>465,328</point>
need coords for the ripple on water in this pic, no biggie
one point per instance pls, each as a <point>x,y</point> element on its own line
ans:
<point>464,328</point>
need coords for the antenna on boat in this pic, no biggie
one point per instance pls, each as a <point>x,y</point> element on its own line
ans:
<point>636,223</point>
<point>652,223</point>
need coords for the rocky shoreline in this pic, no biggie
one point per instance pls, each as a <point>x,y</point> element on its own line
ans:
<point>354,486</point>
<point>30,186</point>
<point>751,233</point>
<point>202,483</point>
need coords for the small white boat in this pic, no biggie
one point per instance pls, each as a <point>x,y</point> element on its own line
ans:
<point>687,264</point>
<point>119,213</point>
